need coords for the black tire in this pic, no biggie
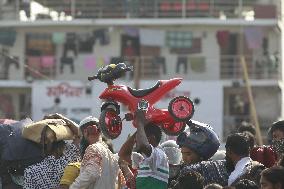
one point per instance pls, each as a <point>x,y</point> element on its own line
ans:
<point>110,104</point>
<point>105,128</point>
<point>170,133</point>
<point>171,111</point>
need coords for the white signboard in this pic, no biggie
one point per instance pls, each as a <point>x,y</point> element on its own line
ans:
<point>68,98</point>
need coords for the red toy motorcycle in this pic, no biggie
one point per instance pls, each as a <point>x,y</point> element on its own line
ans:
<point>171,120</point>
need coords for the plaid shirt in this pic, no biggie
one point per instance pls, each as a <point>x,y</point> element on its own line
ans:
<point>47,173</point>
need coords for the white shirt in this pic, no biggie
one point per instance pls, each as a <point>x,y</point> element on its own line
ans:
<point>156,166</point>
<point>240,169</point>
<point>99,169</point>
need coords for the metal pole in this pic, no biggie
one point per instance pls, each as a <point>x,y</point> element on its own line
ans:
<point>240,8</point>
<point>17,9</point>
<point>251,101</point>
<point>73,8</point>
<point>183,8</point>
<point>246,79</point>
<point>156,13</point>
<point>211,13</point>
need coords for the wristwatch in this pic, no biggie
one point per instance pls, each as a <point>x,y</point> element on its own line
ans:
<point>143,105</point>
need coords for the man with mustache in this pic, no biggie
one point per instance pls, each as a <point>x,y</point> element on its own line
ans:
<point>99,167</point>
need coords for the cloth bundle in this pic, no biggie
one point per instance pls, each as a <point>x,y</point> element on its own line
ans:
<point>50,130</point>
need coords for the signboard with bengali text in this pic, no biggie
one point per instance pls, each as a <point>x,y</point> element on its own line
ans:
<point>67,98</point>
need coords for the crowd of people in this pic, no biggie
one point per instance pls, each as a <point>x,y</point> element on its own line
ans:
<point>193,161</point>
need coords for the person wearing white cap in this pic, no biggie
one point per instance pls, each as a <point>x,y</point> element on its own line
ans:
<point>99,167</point>
<point>174,155</point>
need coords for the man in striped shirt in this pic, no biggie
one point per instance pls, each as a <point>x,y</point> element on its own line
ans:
<point>153,168</point>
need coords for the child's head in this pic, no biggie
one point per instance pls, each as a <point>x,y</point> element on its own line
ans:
<point>189,178</point>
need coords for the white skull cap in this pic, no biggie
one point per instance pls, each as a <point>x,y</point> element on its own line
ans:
<point>173,152</point>
<point>169,143</point>
<point>87,120</point>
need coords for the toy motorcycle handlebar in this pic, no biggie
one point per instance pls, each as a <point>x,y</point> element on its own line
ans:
<point>93,78</point>
<point>109,73</point>
<point>129,68</point>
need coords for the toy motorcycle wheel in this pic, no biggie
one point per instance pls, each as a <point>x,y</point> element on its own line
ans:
<point>110,123</point>
<point>181,108</point>
<point>174,129</point>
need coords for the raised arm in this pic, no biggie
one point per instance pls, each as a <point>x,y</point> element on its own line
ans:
<point>126,149</point>
<point>142,142</point>
<point>125,160</point>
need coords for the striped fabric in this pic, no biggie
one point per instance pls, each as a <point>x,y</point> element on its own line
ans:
<point>153,171</point>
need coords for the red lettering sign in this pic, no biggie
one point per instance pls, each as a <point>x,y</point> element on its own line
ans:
<point>64,89</point>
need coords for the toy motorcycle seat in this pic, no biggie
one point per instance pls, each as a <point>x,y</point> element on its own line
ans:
<point>143,92</point>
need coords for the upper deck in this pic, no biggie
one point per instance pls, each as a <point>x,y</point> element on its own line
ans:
<point>62,10</point>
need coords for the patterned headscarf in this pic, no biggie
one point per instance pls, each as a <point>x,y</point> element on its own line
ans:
<point>278,145</point>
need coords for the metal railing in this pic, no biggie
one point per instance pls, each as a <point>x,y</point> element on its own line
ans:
<point>264,67</point>
<point>158,67</point>
<point>91,9</point>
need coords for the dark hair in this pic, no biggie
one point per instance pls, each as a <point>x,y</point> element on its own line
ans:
<point>274,175</point>
<point>246,126</point>
<point>53,148</point>
<point>213,186</point>
<point>58,144</point>
<point>238,143</point>
<point>152,129</point>
<point>279,125</point>
<point>250,138</point>
<point>189,178</point>
<point>246,184</point>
